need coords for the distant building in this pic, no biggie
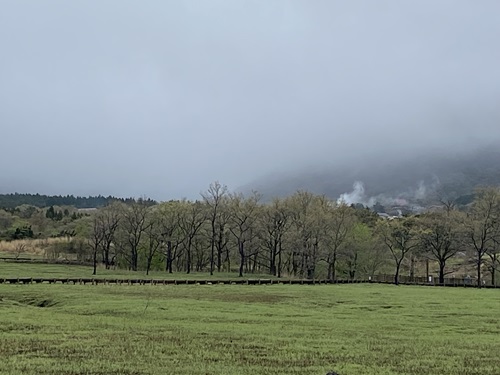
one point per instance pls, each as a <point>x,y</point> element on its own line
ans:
<point>84,210</point>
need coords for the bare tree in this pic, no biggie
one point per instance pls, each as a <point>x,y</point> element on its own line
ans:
<point>222,236</point>
<point>242,223</point>
<point>213,198</point>
<point>482,224</point>
<point>20,248</point>
<point>275,220</point>
<point>154,238</point>
<point>440,237</point>
<point>96,239</point>
<point>494,257</point>
<point>168,213</point>
<point>201,254</point>
<point>400,238</point>
<point>110,221</point>
<point>102,236</point>
<point>191,217</point>
<point>303,221</point>
<point>134,223</point>
<point>340,221</point>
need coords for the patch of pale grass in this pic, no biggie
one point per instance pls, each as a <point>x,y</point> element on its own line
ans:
<point>30,248</point>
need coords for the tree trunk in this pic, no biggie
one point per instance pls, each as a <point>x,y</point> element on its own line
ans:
<point>133,260</point>
<point>396,275</point>
<point>303,260</point>
<point>212,262</point>
<point>330,271</point>
<point>412,268</point>
<point>219,259</point>
<point>479,261</point>
<point>242,258</point>
<point>148,265</point>
<point>493,268</point>
<point>219,248</point>
<point>168,265</point>
<point>228,259</point>
<point>311,266</point>
<point>294,264</point>
<point>95,262</point>
<point>254,263</point>
<point>272,259</point>
<point>441,272</point>
<point>427,270</point>
<point>188,257</point>
<point>105,255</point>
<point>331,267</point>
<point>354,267</point>
<point>279,259</point>
<point>212,246</point>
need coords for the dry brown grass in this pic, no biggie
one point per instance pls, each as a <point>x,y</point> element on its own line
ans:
<point>34,248</point>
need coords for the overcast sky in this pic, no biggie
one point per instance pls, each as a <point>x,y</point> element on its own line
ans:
<point>160,98</point>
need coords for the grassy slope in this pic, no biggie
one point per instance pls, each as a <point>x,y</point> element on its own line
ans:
<point>355,329</point>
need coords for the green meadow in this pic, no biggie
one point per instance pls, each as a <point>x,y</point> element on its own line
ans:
<point>43,270</point>
<point>257,330</point>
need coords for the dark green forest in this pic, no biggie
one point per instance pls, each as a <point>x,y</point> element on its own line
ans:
<point>11,201</point>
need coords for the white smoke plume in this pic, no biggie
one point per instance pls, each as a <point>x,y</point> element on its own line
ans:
<point>425,190</point>
<point>421,191</point>
<point>358,195</point>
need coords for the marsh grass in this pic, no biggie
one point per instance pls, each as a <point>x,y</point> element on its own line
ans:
<point>279,329</point>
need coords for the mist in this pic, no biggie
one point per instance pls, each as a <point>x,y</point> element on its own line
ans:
<point>160,98</point>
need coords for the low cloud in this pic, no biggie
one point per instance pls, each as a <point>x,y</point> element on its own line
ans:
<point>163,97</point>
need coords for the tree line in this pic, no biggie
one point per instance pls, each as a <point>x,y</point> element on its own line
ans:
<point>11,201</point>
<point>303,235</point>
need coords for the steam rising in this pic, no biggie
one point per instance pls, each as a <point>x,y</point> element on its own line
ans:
<point>421,191</point>
<point>404,199</point>
<point>357,195</point>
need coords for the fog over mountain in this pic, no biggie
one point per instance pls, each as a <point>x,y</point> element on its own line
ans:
<point>160,98</point>
<point>422,180</point>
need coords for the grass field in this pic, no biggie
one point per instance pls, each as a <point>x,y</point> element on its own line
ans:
<point>14,270</point>
<point>279,329</point>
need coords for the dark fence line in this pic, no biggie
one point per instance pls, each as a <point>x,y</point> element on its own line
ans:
<point>429,280</point>
<point>96,281</point>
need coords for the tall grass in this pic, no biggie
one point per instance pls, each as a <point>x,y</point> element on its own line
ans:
<point>28,248</point>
